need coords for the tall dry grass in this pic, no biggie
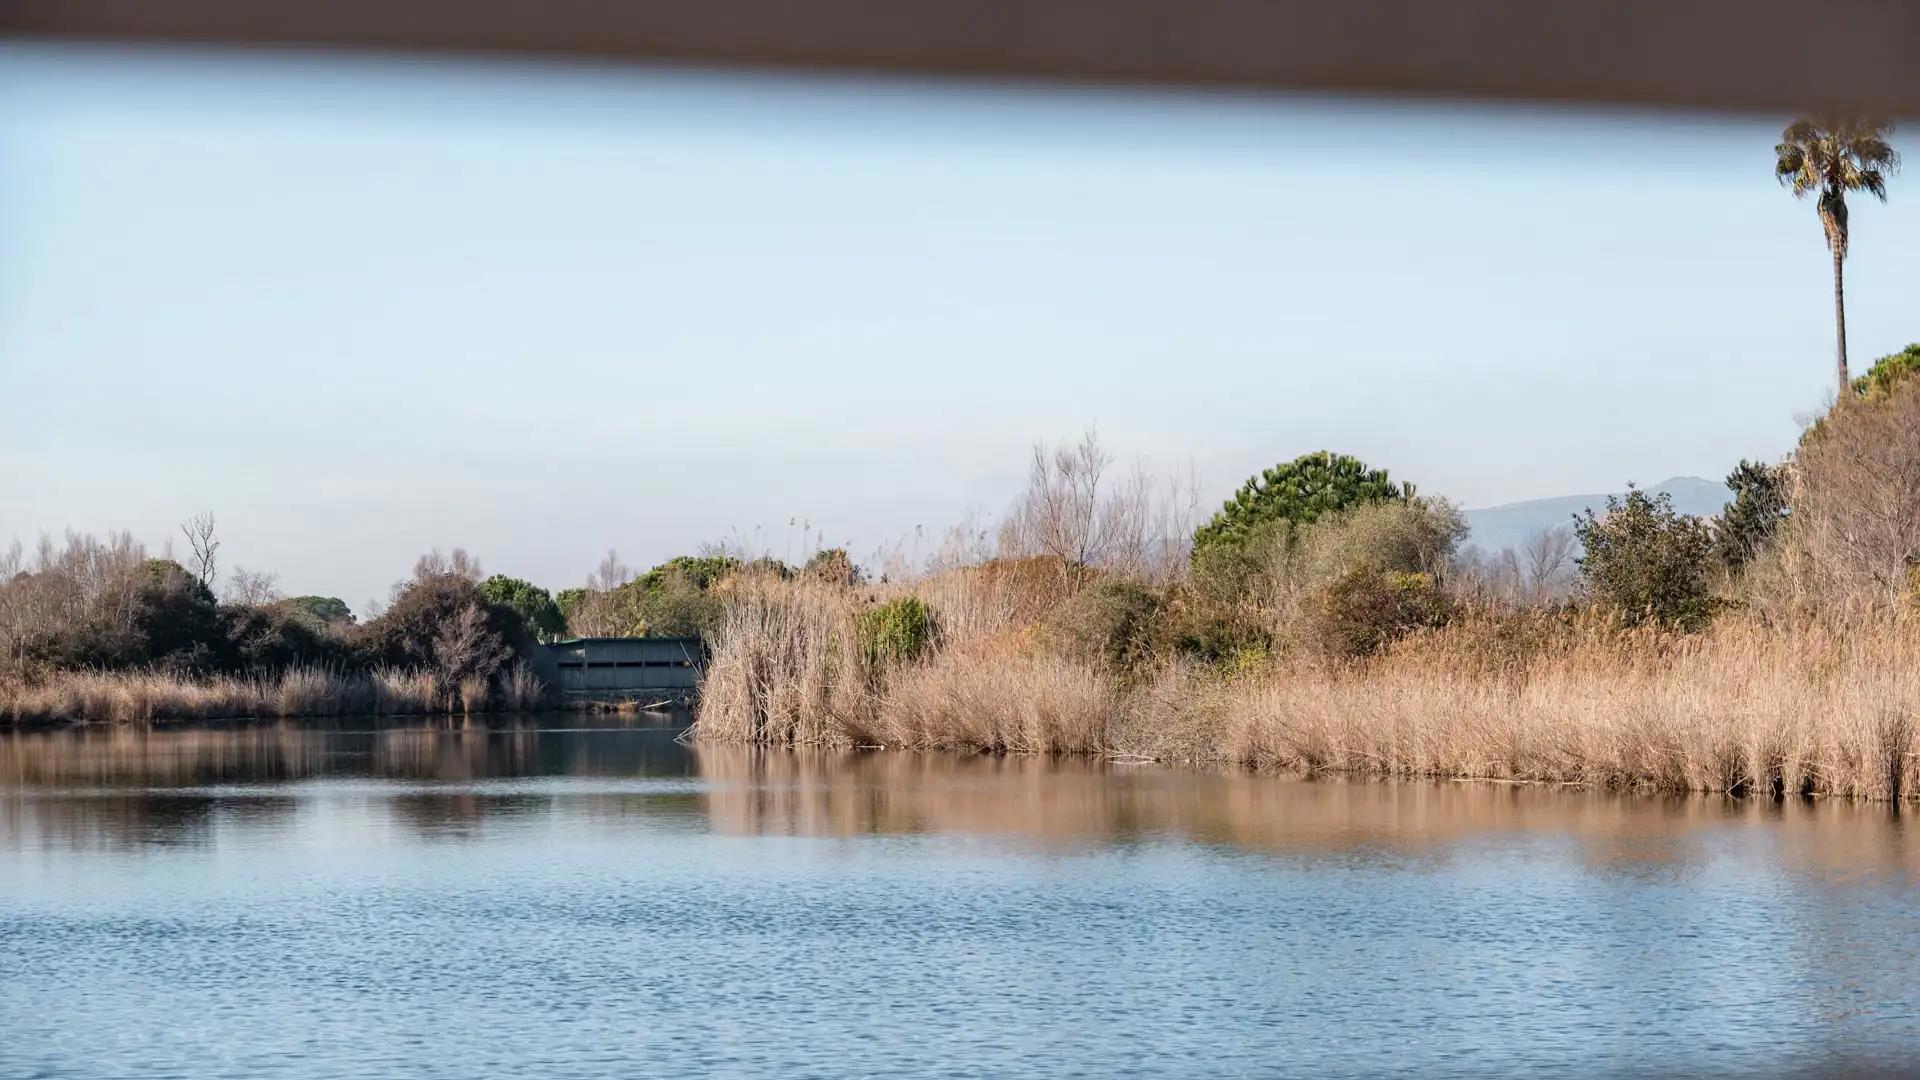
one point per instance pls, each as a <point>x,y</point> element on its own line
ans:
<point>787,669</point>
<point>1740,709</point>
<point>143,696</point>
<point>1814,708</point>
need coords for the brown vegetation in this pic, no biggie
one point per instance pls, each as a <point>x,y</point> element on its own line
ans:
<point>1360,643</point>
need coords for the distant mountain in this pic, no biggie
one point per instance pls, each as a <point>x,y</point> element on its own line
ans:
<point>1499,527</point>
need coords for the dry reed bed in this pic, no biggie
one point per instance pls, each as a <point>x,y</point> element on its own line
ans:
<point>143,696</point>
<point>1742,708</point>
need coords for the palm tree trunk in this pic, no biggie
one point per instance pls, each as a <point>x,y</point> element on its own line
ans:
<point>1840,330</point>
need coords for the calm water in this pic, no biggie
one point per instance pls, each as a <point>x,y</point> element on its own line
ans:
<point>588,898</point>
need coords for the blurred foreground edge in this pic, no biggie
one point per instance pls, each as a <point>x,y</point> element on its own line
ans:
<point>1720,54</point>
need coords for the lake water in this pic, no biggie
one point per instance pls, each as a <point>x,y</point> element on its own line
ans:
<point>587,897</point>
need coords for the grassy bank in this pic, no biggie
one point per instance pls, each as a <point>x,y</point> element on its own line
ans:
<point>1818,708</point>
<point>139,696</point>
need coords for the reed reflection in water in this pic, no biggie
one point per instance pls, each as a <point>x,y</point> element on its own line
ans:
<point>589,896</point>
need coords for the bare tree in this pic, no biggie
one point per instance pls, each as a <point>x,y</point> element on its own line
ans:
<point>459,564</point>
<point>467,651</point>
<point>610,574</point>
<point>206,547</point>
<point>252,588</point>
<point>1853,538</point>
<point>599,613</point>
<point>1548,554</point>
<point>1073,511</point>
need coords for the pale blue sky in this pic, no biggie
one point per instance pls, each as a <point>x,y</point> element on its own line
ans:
<point>360,310</point>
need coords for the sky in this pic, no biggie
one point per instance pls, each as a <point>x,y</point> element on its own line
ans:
<point>360,309</point>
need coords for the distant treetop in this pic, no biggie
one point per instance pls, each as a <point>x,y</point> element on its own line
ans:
<point>1298,492</point>
<point>1887,373</point>
<point>327,609</point>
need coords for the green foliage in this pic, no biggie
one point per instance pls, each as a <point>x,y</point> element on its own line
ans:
<point>327,609</point>
<point>834,566</point>
<point>1751,521</point>
<point>1831,156</point>
<point>675,599</point>
<point>1115,623</point>
<point>700,571</point>
<point>1888,373</point>
<point>1299,492</point>
<point>534,604</point>
<point>678,598</point>
<point>1369,606</point>
<point>1219,612</point>
<point>1647,562</point>
<point>896,632</point>
<point>1269,589</point>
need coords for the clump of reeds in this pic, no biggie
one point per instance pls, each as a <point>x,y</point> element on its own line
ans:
<point>142,696</point>
<point>521,690</point>
<point>787,669</point>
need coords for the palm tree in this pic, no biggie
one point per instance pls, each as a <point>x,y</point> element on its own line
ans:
<point>1833,156</point>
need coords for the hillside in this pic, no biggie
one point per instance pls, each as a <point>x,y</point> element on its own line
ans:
<point>1509,525</point>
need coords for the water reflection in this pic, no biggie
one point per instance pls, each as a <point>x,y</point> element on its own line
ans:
<point>591,897</point>
<point>121,787</point>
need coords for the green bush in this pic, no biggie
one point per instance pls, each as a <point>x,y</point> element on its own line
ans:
<point>1647,562</point>
<point>1115,623</point>
<point>1265,591</point>
<point>1299,491</point>
<point>896,632</point>
<point>1370,606</point>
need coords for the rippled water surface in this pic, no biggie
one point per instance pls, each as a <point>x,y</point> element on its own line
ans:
<point>590,898</point>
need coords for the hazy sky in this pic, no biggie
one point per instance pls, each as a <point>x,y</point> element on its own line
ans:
<point>363,310</point>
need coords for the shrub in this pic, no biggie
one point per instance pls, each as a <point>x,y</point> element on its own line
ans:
<point>445,624</point>
<point>1370,606</point>
<point>1647,562</point>
<point>1114,624</point>
<point>896,632</point>
<point>1299,491</point>
<point>279,637</point>
<point>1260,592</point>
<point>835,567</point>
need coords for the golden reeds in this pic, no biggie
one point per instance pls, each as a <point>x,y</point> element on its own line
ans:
<point>1745,707</point>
